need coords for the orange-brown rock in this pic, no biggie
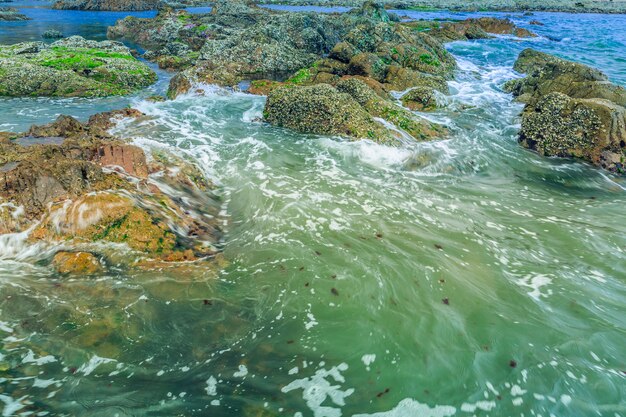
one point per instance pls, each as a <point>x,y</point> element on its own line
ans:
<point>130,158</point>
<point>76,263</point>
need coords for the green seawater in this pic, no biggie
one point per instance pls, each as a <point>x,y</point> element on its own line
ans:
<point>454,278</point>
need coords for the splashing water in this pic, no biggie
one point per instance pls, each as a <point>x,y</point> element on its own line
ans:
<point>453,278</point>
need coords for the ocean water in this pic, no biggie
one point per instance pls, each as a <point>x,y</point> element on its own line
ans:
<point>455,278</point>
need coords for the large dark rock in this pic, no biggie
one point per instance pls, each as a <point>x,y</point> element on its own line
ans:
<point>348,110</point>
<point>546,74</point>
<point>322,109</point>
<point>592,129</point>
<point>571,110</point>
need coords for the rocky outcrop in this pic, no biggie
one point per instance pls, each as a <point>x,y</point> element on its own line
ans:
<point>241,42</point>
<point>349,110</point>
<point>480,28</point>
<point>571,110</point>
<point>71,67</point>
<point>322,109</point>
<point>10,14</point>
<point>547,74</point>
<point>75,184</point>
<point>110,5</point>
<point>393,55</point>
<point>247,43</point>
<point>570,6</point>
<point>384,55</point>
<point>170,33</point>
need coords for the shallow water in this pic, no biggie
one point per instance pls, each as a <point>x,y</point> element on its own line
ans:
<point>340,258</point>
<point>89,24</point>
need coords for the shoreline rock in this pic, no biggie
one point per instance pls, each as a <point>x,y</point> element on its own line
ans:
<point>90,188</point>
<point>11,14</point>
<point>108,5</point>
<point>325,64</point>
<point>480,28</point>
<point>571,110</point>
<point>71,67</point>
<point>565,6</point>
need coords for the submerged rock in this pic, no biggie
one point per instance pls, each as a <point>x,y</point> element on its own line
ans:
<point>76,263</point>
<point>572,110</point>
<point>52,34</point>
<point>83,186</point>
<point>110,5</point>
<point>71,67</point>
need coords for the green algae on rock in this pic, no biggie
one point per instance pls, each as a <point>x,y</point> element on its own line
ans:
<point>572,110</point>
<point>379,107</point>
<point>71,67</point>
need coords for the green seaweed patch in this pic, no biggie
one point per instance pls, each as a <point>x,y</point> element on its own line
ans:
<point>63,58</point>
<point>93,52</point>
<point>302,76</point>
<point>429,60</point>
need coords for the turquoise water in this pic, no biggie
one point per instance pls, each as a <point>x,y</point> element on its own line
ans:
<point>454,278</point>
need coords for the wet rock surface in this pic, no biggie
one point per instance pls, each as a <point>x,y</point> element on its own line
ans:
<point>93,188</point>
<point>572,110</point>
<point>71,67</point>
<point>76,263</point>
<point>547,73</point>
<point>348,110</point>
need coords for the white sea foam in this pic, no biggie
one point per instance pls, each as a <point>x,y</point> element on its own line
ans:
<point>409,407</point>
<point>318,388</point>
